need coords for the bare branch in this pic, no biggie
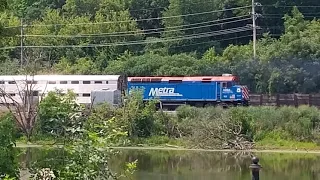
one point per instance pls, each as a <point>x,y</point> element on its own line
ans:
<point>228,132</point>
<point>24,111</point>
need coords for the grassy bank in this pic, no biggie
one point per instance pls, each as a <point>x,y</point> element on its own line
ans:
<point>266,144</point>
<point>181,143</point>
<point>285,128</point>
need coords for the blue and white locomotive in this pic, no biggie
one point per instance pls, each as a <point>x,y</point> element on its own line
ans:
<point>196,91</point>
<point>171,91</point>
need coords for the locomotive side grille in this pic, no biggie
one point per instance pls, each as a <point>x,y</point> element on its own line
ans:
<point>245,92</point>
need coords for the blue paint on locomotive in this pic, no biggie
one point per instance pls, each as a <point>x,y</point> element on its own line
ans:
<point>189,91</point>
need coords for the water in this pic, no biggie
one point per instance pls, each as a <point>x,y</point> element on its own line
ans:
<point>191,165</point>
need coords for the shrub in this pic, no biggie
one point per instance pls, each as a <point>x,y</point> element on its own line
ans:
<point>55,113</point>
<point>8,164</point>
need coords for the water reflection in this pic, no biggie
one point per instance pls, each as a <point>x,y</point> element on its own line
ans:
<point>187,165</point>
<point>178,165</point>
<point>8,162</point>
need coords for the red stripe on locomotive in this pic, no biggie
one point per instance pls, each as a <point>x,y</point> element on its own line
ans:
<point>245,92</point>
<point>185,78</point>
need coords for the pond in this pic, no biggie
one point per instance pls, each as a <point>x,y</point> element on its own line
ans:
<point>199,165</point>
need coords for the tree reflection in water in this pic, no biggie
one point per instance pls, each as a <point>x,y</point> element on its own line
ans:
<point>189,165</point>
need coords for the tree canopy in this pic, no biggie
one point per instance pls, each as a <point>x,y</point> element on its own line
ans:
<point>166,37</point>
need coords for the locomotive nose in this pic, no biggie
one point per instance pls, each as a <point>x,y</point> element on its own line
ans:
<point>245,92</point>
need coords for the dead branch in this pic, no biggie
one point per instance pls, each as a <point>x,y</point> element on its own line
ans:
<point>225,131</point>
<point>24,111</point>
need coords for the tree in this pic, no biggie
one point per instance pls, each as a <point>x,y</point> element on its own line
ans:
<point>149,9</point>
<point>87,144</point>
<point>25,107</point>
<point>56,112</point>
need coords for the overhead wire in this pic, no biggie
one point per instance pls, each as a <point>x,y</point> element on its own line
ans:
<point>207,42</point>
<point>173,27</point>
<point>145,31</point>
<point>281,16</point>
<point>186,37</point>
<point>136,32</point>
<point>128,21</point>
<point>276,6</point>
<point>181,46</point>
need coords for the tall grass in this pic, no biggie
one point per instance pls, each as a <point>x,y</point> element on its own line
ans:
<point>282,125</point>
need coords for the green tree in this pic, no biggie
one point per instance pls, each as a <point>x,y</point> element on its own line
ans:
<point>56,112</point>
<point>149,9</point>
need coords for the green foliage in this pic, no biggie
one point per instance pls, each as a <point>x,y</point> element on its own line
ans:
<point>8,131</point>
<point>3,5</point>
<point>87,136</point>
<point>8,164</point>
<point>137,117</point>
<point>103,122</point>
<point>56,113</point>
<point>89,154</point>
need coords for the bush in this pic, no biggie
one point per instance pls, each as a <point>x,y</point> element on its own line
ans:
<point>55,114</point>
<point>8,164</point>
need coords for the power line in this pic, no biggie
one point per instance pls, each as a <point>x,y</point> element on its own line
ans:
<point>276,6</point>
<point>281,17</point>
<point>170,27</point>
<point>129,34</point>
<point>301,13</point>
<point>187,37</point>
<point>158,29</point>
<point>238,37</point>
<point>147,19</point>
<point>200,35</point>
<point>143,51</point>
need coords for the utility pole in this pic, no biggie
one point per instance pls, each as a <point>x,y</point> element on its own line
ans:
<point>21,43</point>
<point>254,29</point>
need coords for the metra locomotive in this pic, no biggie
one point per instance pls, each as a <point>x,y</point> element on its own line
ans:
<point>196,91</point>
<point>171,91</point>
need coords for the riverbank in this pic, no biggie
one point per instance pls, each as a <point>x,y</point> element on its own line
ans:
<point>166,147</point>
<point>189,149</point>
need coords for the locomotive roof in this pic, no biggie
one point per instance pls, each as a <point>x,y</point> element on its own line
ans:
<point>60,77</point>
<point>186,78</point>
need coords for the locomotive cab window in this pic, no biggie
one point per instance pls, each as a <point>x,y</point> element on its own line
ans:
<point>224,85</point>
<point>227,84</point>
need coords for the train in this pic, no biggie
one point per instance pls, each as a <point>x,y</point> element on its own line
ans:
<point>201,91</point>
